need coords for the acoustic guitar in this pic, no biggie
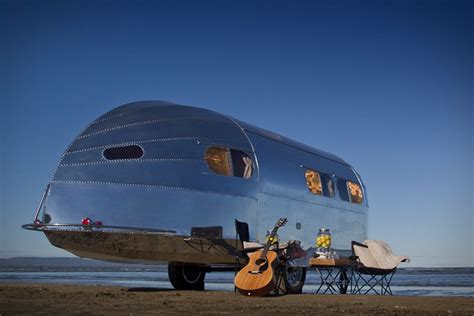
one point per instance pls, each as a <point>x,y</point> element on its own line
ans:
<point>257,278</point>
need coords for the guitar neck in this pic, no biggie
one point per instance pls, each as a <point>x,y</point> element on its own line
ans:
<point>269,242</point>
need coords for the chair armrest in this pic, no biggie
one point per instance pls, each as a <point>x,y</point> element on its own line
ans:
<point>252,249</point>
<point>355,243</point>
<point>354,258</point>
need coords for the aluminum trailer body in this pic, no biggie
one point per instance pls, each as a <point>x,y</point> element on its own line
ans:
<point>141,171</point>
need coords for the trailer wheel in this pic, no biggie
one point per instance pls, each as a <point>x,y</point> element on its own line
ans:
<point>186,277</point>
<point>294,279</point>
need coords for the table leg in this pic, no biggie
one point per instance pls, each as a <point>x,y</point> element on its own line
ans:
<point>343,282</point>
<point>327,280</point>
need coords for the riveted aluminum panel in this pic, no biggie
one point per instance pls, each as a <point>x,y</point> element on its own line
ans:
<point>155,149</point>
<point>287,141</point>
<point>160,129</point>
<point>154,112</point>
<point>283,192</point>
<point>164,148</point>
<point>150,207</point>
<point>132,107</point>
<point>346,224</point>
<point>282,167</point>
<point>179,174</point>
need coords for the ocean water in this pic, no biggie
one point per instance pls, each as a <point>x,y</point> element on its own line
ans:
<point>409,281</point>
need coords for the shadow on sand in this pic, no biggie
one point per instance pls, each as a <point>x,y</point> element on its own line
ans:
<point>148,289</point>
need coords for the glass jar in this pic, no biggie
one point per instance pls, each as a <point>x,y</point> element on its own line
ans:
<point>323,241</point>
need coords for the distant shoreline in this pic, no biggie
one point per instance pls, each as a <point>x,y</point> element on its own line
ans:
<point>67,299</point>
<point>452,282</point>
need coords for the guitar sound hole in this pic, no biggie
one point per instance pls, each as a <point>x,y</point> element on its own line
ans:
<point>260,261</point>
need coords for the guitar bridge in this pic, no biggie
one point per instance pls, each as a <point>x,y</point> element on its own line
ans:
<point>255,272</point>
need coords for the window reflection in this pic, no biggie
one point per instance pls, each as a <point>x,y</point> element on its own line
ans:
<point>218,160</point>
<point>328,185</point>
<point>229,162</point>
<point>313,181</point>
<point>355,192</point>
<point>342,189</point>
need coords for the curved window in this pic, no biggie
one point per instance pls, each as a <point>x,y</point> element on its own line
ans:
<point>313,181</point>
<point>229,162</point>
<point>123,152</point>
<point>218,160</point>
<point>328,185</point>
<point>355,192</point>
<point>342,189</point>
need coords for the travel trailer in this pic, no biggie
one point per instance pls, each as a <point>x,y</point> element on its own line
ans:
<point>160,182</point>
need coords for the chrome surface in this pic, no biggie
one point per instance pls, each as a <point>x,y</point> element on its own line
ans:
<point>172,188</point>
<point>144,247</point>
<point>35,219</point>
<point>88,228</point>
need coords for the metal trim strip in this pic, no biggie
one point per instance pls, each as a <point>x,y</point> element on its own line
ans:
<point>126,160</point>
<point>45,227</point>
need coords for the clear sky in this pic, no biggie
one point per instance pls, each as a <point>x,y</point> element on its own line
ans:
<point>386,85</point>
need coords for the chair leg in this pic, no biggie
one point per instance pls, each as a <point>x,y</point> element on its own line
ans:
<point>371,282</point>
<point>366,283</point>
<point>280,274</point>
<point>355,288</point>
<point>279,288</point>
<point>387,289</point>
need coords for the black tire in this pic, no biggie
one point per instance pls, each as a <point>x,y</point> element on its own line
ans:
<point>186,277</point>
<point>294,279</point>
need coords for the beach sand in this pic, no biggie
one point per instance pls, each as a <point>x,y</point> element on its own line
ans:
<point>112,300</point>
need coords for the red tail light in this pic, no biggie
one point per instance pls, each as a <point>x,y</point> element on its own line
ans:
<point>86,221</point>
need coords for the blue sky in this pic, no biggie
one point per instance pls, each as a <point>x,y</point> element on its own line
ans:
<point>386,85</point>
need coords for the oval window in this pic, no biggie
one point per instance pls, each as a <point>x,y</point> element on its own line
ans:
<point>229,162</point>
<point>123,152</point>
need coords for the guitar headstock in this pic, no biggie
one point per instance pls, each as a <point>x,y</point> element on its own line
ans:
<point>281,222</point>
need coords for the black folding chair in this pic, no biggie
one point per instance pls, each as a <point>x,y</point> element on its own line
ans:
<point>367,279</point>
<point>241,232</point>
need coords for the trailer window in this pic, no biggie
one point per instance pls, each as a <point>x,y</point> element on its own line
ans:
<point>313,181</point>
<point>328,185</point>
<point>355,192</point>
<point>342,189</point>
<point>241,164</point>
<point>123,152</point>
<point>217,160</point>
<point>229,162</point>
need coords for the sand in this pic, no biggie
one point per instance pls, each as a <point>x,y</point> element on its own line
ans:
<point>115,300</point>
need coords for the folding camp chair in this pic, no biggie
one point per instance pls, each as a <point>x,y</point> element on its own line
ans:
<point>242,248</point>
<point>374,267</point>
<point>243,245</point>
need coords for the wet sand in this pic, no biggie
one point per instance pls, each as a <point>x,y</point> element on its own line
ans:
<point>109,300</point>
